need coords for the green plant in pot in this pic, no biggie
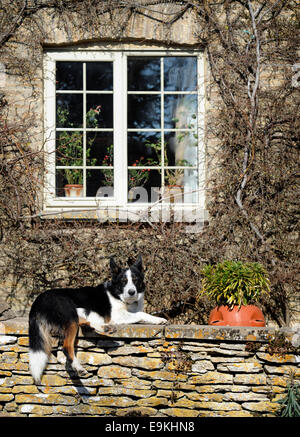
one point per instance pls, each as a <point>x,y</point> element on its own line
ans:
<point>69,152</point>
<point>235,287</point>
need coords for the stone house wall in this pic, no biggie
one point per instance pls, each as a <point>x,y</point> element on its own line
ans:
<point>156,371</point>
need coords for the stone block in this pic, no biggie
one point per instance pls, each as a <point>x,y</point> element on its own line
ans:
<point>6,397</point>
<point>244,397</point>
<point>114,372</point>
<point>249,379</point>
<point>276,358</point>
<point>240,367</point>
<point>261,407</point>
<point>24,389</point>
<point>94,358</point>
<point>124,391</point>
<point>159,374</point>
<point>8,339</point>
<point>202,366</point>
<point>207,405</point>
<point>180,412</point>
<point>42,398</point>
<point>212,378</point>
<point>139,362</point>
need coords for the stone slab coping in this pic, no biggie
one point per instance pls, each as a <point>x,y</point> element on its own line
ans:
<point>19,326</point>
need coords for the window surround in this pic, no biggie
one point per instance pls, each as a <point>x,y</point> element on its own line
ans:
<point>117,206</point>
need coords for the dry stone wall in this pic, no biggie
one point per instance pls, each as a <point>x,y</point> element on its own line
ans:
<point>178,371</point>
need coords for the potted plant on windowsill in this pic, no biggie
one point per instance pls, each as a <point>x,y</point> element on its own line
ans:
<point>236,287</point>
<point>69,152</point>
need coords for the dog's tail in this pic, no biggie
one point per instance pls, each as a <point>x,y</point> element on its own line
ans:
<point>39,346</point>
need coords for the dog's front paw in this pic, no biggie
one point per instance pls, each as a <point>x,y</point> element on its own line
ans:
<point>161,321</point>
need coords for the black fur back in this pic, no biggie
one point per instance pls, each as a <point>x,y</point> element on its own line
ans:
<point>57,309</point>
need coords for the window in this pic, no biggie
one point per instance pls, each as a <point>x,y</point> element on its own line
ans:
<point>124,129</point>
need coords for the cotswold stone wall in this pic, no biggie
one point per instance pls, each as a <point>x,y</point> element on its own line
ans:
<point>151,371</point>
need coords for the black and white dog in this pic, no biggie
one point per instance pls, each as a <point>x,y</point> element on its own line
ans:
<point>62,311</point>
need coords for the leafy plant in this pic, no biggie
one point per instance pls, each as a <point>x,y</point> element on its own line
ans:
<point>281,346</point>
<point>290,404</point>
<point>234,283</point>
<point>69,150</point>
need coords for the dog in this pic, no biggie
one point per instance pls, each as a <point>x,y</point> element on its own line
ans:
<point>62,311</point>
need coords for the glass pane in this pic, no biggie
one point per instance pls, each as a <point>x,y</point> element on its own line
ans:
<point>181,148</point>
<point>99,183</point>
<point>143,185</point>
<point>180,111</point>
<point>65,177</point>
<point>144,148</point>
<point>99,149</point>
<point>99,111</point>
<point>181,185</point>
<point>144,112</point>
<point>69,76</point>
<point>69,110</point>
<point>69,148</point>
<point>180,73</point>
<point>143,74</point>
<point>99,76</point>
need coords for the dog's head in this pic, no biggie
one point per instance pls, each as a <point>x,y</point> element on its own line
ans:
<point>128,284</point>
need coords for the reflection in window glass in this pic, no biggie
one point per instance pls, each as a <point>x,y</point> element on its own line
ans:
<point>144,111</point>
<point>69,148</point>
<point>99,149</point>
<point>69,110</point>
<point>69,76</point>
<point>99,183</point>
<point>143,148</point>
<point>65,177</point>
<point>180,111</point>
<point>99,111</point>
<point>143,185</point>
<point>182,185</point>
<point>180,73</point>
<point>99,76</point>
<point>181,148</point>
<point>143,74</point>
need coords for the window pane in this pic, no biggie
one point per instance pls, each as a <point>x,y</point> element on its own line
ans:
<point>99,111</point>
<point>99,149</point>
<point>181,185</point>
<point>69,110</point>
<point>99,76</point>
<point>69,177</point>
<point>99,183</point>
<point>144,74</point>
<point>69,149</point>
<point>180,111</point>
<point>144,112</point>
<point>69,76</point>
<point>180,73</point>
<point>143,185</point>
<point>144,148</point>
<point>181,148</point>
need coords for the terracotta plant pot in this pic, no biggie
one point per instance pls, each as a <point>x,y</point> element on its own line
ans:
<point>73,190</point>
<point>246,315</point>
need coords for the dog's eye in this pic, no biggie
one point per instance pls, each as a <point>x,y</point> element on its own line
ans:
<point>135,279</point>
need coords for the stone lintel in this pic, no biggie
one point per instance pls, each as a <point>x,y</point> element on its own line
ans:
<point>19,326</point>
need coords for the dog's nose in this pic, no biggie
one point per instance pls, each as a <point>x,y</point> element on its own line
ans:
<point>131,292</point>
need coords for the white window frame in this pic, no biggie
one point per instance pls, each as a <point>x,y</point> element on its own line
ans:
<point>119,58</point>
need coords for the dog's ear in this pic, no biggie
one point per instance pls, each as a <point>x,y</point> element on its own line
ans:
<point>139,263</point>
<point>114,268</point>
